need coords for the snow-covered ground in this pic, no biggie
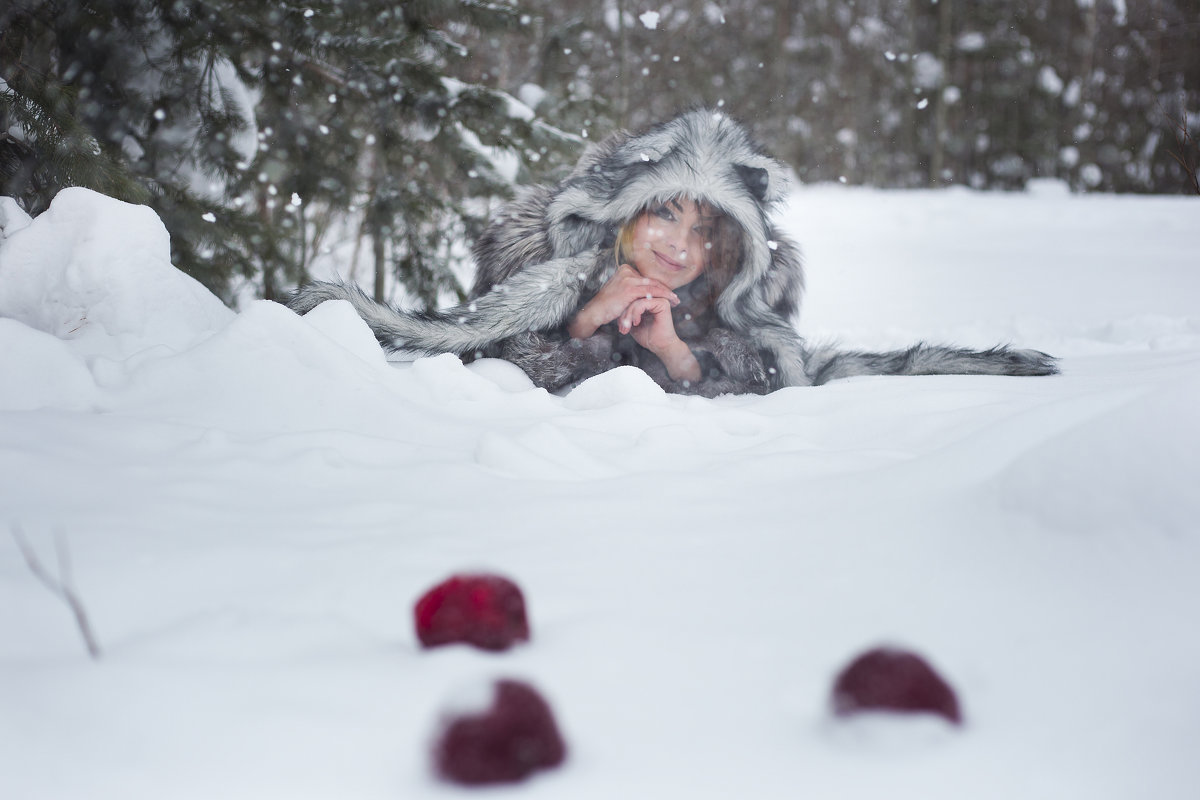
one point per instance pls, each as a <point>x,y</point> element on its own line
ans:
<point>252,502</point>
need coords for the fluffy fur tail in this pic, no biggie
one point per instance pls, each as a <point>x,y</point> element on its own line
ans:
<point>826,364</point>
<point>523,303</point>
<point>537,298</point>
<point>385,322</point>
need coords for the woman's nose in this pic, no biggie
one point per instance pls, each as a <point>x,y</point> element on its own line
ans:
<point>679,237</point>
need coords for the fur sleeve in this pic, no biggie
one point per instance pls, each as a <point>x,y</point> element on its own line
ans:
<point>729,364</point>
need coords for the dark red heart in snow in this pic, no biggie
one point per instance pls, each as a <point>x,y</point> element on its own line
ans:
<point>886,679</point>
<point>487,611</point>
<point>506,743</point>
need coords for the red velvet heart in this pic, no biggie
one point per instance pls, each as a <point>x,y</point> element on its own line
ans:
<point>513,738</point>
<point>487,611</point>
<point>886,679</point>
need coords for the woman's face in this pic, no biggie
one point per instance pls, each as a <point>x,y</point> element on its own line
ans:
<point>671,242</point>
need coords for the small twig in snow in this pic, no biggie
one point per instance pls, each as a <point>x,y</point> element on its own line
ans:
<point>1185,144</point>
<point>63,586</point>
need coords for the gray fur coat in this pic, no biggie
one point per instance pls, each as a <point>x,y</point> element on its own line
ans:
<point>551,249</point>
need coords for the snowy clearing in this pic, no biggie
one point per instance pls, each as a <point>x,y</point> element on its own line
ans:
<point>252,502</point>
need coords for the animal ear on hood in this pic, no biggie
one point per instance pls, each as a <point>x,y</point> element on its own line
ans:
<point>756,179</point>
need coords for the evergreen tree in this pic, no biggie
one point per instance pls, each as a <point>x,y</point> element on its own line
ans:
<point>360,114</point>
<point>889,92</point>
<point>107,95</point>
<point>253,127</point>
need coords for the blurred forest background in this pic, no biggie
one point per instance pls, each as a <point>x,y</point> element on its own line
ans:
<point>273,136</point>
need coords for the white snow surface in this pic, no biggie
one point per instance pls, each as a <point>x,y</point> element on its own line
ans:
<point>252,503</point>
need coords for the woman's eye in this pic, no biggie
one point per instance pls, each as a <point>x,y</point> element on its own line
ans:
<point>705,231</point>
<point>664,213</point>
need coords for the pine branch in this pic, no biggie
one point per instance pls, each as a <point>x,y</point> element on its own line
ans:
<point>62,586</point>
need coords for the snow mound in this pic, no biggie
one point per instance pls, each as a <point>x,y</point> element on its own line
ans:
<point>270,370</point>
<point>40,371</point>
<point>252,502</point>
<point>12,218</point>
<point>620,385</point>
<point>338,320</point>
<point>97,272</point>
<point>505,374</point>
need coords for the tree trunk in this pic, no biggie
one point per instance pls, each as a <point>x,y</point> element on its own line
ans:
<point>937,159</point>
<point>623,67</point>
<point>379,247</point>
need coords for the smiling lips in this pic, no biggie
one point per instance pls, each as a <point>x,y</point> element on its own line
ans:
<point>669,263</point>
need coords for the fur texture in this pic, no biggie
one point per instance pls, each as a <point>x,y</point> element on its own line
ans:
<point>551,249</point>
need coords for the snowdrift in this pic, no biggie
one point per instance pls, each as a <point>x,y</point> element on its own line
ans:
<point>248,505</point>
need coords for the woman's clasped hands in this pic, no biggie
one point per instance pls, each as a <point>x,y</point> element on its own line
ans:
<point>641,307</point>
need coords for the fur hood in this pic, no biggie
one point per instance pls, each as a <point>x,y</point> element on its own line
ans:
<point>703,155</point>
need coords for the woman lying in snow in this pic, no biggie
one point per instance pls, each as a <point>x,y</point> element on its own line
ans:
<point>656,251</point>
